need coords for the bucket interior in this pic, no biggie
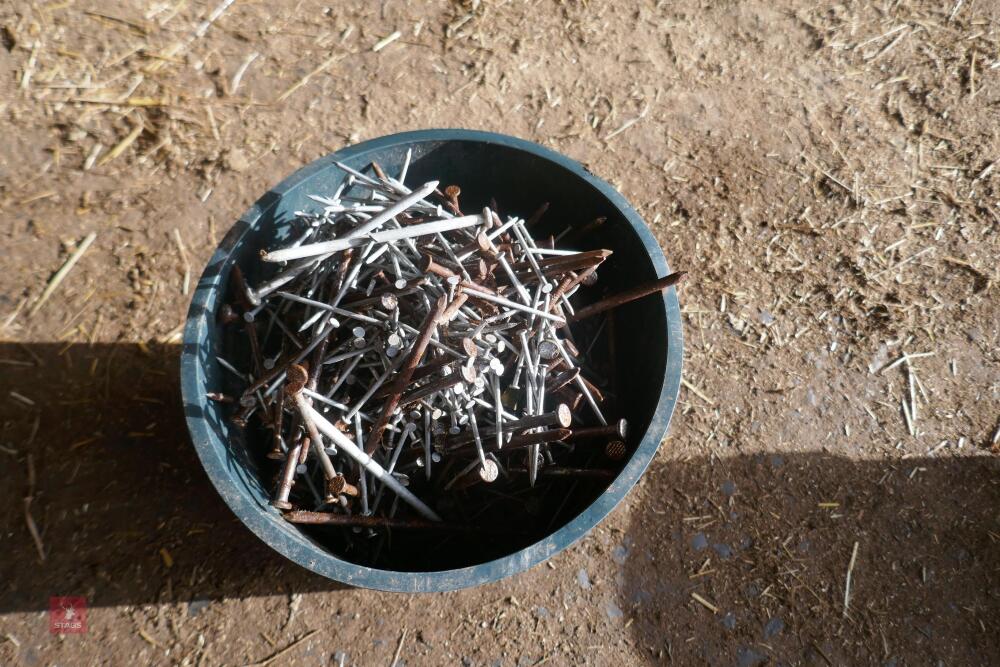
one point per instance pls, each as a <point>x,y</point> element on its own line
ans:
<point>519,181</point>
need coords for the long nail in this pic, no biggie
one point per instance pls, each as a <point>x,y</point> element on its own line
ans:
<point>617,430</point>
<point>627,296</point>
<point>427,329</point>
<point>330,519</point>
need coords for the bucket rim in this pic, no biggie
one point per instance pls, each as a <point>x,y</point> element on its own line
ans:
<point>267,524</point>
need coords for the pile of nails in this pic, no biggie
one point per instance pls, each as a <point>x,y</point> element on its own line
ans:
<point>404,352</point>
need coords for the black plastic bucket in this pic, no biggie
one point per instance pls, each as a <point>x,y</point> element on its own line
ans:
<point>520,175</point>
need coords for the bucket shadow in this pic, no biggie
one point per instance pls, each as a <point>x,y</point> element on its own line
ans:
<point>125,512</point>
<point>767,541</point>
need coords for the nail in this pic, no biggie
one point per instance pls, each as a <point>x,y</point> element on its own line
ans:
<point>627,296</point>
<point>227,315</point>
<point>617,430</point>
<point>297,379</point>
<point>427,329</point>
<point>561,417</point>
<point>562,263</point>
<point>330,519</point>
<point>466,375</point>
<point>427,444</point>
<point>451,311</point>
<point>537,215</point>
<point>476,473</point>
<point>248,326</point>
<point>428,265</point>
<point>352,240</point>
<point>586,230</point>
<point>517,442</point>
<point>276,452</point>
<point>348,446</point>
<point>562,379</point>
<point>338,485</point>
<point>280,499</point>
<point>451,193</point>
<point>591,387</point>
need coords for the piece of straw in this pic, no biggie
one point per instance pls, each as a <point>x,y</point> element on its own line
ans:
<point>386,41</point>
<point>304,80</point>
<point>122,145</point>
<point>705,603</point>
<point>61,273</point>
<point>184,260</point>
<point>399,649</point>
<point>847,584</point>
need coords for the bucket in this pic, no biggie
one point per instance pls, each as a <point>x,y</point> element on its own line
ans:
<point>520,175</point>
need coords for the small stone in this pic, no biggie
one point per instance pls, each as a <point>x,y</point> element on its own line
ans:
<point>880,359</point>
<point>765,317</point>
<point>724,550</point>
<point>30,656</point>
<point>773,627</point>
<point>195,607</point>
<point>236,160</point>
<point>641,597</point>
<point>699,541</point>
<point>583,579</point>
<point>541,612</point>
<point>747,657</point>
<point>613,610</point>
<point>811,397</point>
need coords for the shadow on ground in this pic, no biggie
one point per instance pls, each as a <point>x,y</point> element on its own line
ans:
<point>767,541</point>
<point>127,517</point>
<point>125,512</point>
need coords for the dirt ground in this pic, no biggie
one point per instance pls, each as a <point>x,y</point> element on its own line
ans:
<point>824,171</point>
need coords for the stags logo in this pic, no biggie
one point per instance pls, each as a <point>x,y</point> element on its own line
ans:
<point>67,615</point>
